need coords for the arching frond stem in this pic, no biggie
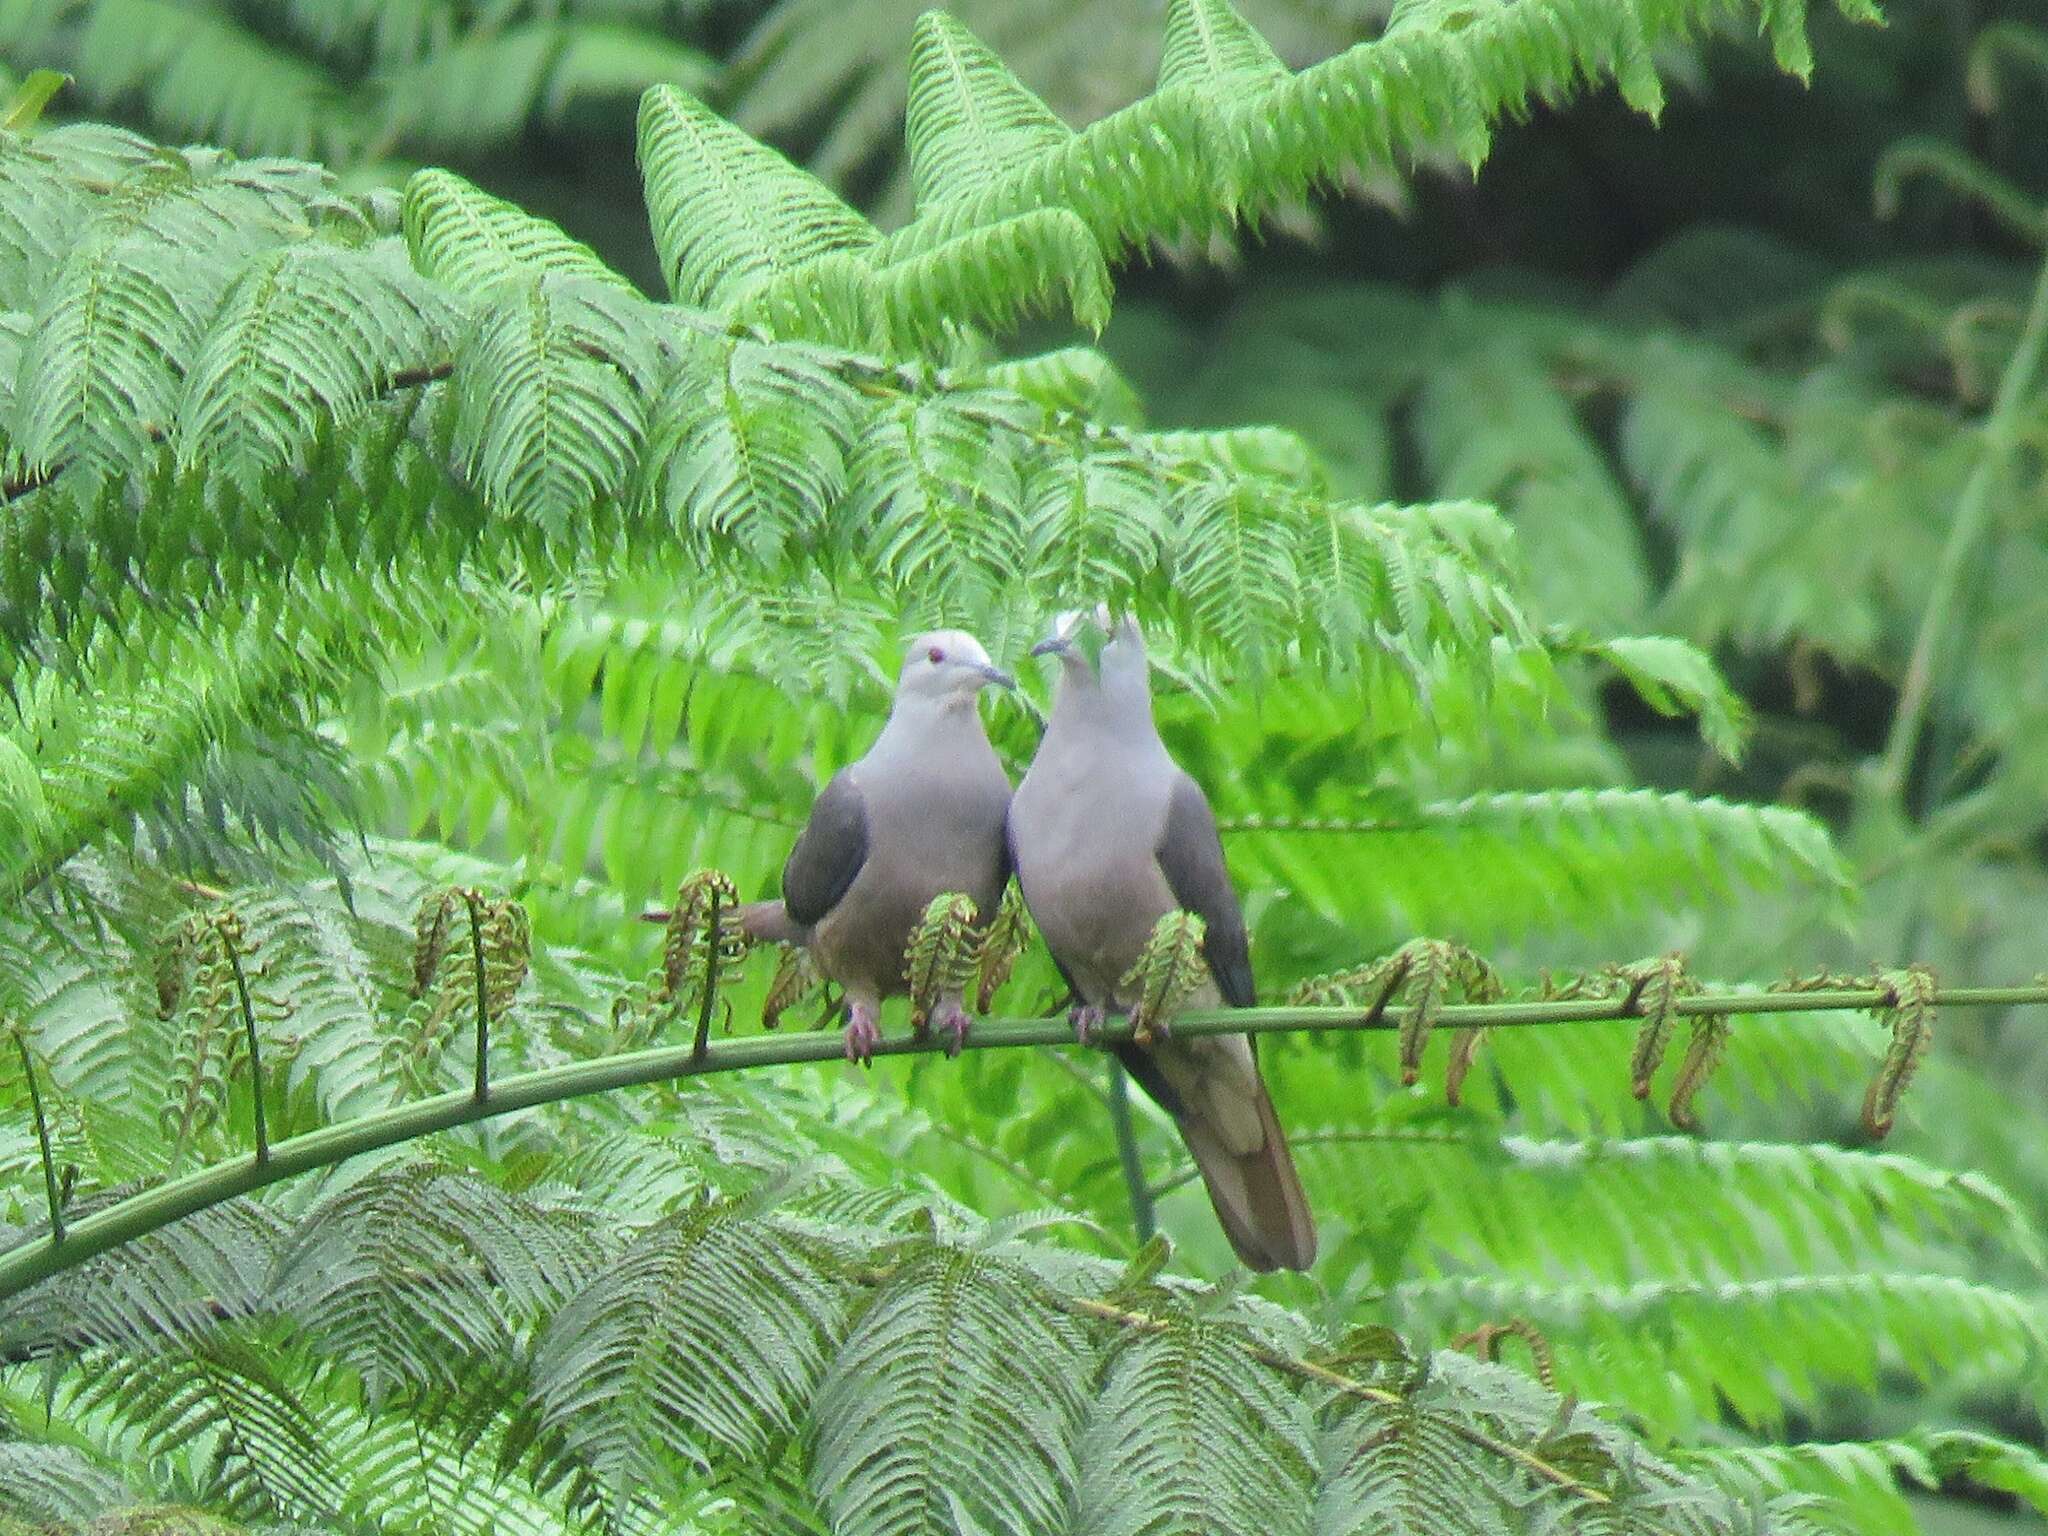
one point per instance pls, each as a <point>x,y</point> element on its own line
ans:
<point>35,1104</point>
<point>224,936</point>
<point>2001,434</point>
<point>1144,1220</point>
<point>474,901</point>
<point>24,1265</point>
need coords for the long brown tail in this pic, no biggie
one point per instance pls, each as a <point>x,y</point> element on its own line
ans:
<point>1213,1090</point>
<point>1257,1195</point>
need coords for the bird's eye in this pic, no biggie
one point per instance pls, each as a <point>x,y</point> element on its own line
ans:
<point>935,655</point>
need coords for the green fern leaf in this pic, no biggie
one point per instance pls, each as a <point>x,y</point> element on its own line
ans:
<point>1190,1432</point>
<point>1092,524</point>
<point>994,275</point>
<point>1077,380</point>
<point>207,78</point>
<point>56,1484</point>
<point>407,1275</point>
<point>1210,47</point>
<point>307,334</point>
<point>551,381</point>
<point>970,119</point>
<point>471,241</point>
<point>703,1340</point>
<point>729,213</point>
<point>1675,678</point>
<point>933,503</point>
<point>749,445</point>
<point>958,1352</point>
<point>99,380</point>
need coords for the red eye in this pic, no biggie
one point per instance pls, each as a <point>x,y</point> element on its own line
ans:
<point>935,655</point>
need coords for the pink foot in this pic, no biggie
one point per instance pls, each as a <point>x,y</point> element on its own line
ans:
<point>863,1034</point>
<point>1086,1019</point>
<point>953,1023</point>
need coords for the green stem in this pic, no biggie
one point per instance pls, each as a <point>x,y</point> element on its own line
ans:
<point>1973,515</point>
<point>255,1044</point>
<point>35,1103</point>
<point>483,997</point>
<point>702,1042</point>
<point>111,1226</point>
<point>1143,1219</point>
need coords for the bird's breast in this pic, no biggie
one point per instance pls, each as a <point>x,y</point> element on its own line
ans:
<point>1088,866</point>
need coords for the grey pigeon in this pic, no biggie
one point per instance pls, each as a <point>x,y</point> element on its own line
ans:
<point>1108,835</point>
<point>921,814</point>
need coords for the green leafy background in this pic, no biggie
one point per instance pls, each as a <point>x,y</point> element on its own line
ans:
<point>1536,559</point>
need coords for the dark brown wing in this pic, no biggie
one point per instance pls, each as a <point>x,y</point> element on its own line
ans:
<point>828,853</point>
<point>1191,857</point>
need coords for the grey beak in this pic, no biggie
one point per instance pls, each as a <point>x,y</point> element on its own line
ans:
<point>1053,647</point>
<point>998,676</point>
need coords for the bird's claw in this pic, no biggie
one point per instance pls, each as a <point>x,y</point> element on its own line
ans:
<point>1086,1019</point>
<point>953,1023</point>
<point>863,1034</point>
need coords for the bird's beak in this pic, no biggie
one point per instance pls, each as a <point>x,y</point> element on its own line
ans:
<point>1053,647</point>
<point>997,676</point>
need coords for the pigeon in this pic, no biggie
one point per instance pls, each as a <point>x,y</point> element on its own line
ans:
<point>1107,835</point>
<point>920,815</point>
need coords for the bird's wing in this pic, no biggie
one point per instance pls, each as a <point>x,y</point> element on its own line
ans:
<point>1191,857</point>
<point>829,852</point>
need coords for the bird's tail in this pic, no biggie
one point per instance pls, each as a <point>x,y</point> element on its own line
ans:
<point>1213,1090</point>
<point>765,922</point>
<point>1257,1194</point>
<point>769,922</point>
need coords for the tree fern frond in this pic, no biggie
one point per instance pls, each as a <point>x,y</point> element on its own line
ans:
<point>1675,678</point>
<point>552,380</point>
<point>748,444</point>
<point>1594,843</point>
<point>1517,1205</point>
<point>57,1484</point>
<point>728,212</point>
<point>470,240</point>
<point>1091,524</point>
<point>490,83</point>
<point>153,731</point>
<point>1209,45</point>
<point>45,199</point>
<point>969,119</point>
<point>404,1275</point>
<point>231,1394</point>
<point>1170,1442</point>
<point>997,273</point>
<point>1495,428</point>
<point>1076,380</point>
<point>704,1340</point>
<point>958,1350</point>
<point>935,496</point>
<point>305,336</point>
<point>1860,1479</point>
<point>168,1291</point>
<point>1664,1346</point>
<point>322,969</point>
<point>125,314</point>
<point>1233,565</point>
<point>209,79</point>
<point>446,1473</point>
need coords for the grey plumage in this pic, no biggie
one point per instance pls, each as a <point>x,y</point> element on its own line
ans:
<point>922,813</point>
<point>1108,835</point>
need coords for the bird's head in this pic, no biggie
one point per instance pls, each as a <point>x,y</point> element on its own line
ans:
<point>947,664</point>
<point>1094,641</point>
